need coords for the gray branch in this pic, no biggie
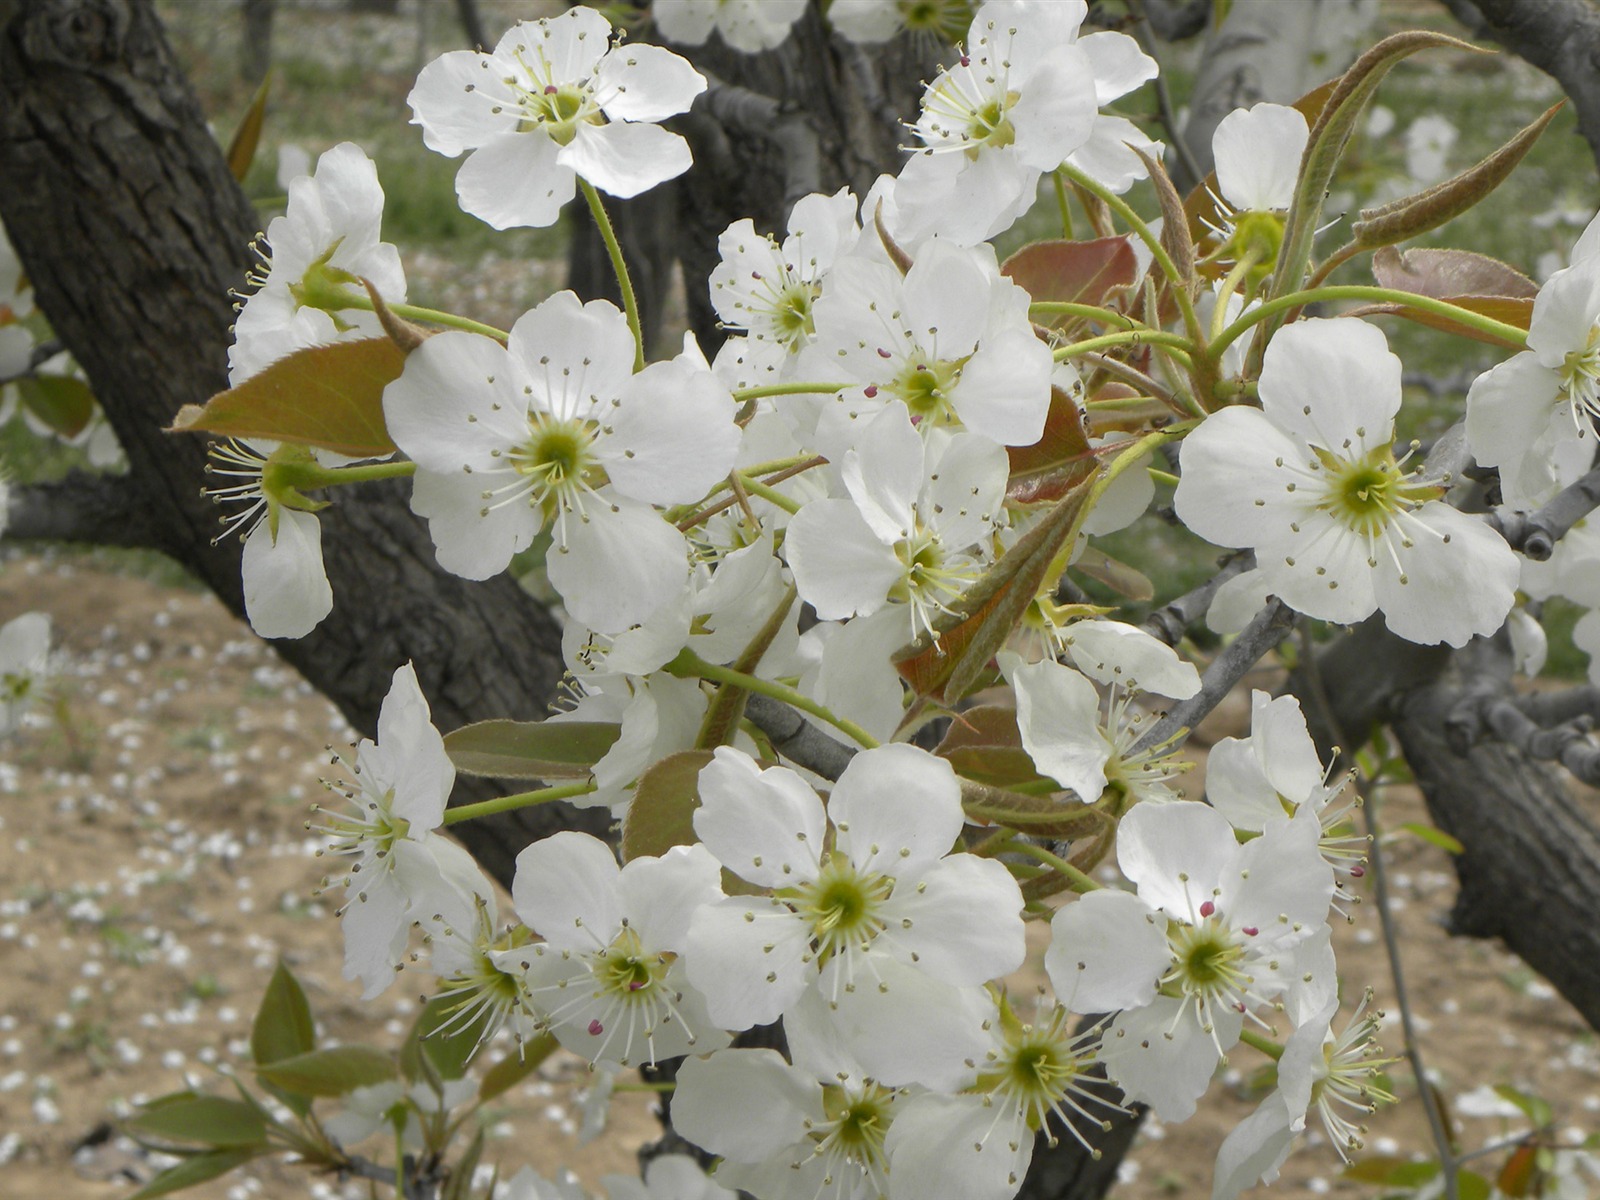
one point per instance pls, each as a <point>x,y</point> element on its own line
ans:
<point>1548,709</point>
<point>786,126</point>
<point>1269,627</point>
<point>797,739</point>
<point>1172,620</point>
<point>1536,533</point>
<point>102,510</point>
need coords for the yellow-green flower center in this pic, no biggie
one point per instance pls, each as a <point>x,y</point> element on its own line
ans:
<point>843,906</point>
<point>1366,494</point>
<point>1580,379</point>
<point>627,971</point>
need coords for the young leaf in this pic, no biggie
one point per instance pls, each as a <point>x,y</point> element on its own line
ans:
<point>1176,239</point>
<point>446,1042</point>
<point>530,749</point>
<point>1060,458</point>
<point>1412,215</point>
<point>1072,272</point>
<point>1434,837</point>
<point>984,745</point>
<point>1444,274</point>
<point>190,1118</point>
<point>662,813</point>
<point>333,1072</point>
<point>60,402</point>
<point>242,149</point>
<point>329,396</point>
<point>1536,1110</point>
<point>283,1025</point>
<point>515,1067</point>
<point>1045,816</point>
<point>196,1170</point>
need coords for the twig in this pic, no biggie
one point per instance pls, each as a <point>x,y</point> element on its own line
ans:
<point>785,126</point>
<point>1555,708</point>
<point>1536,533</point>
<point>1131,375</point>
<point>1171,621</point>
<point>102,510</point>
<point>1168,115</point>
<point>411,1187</point>
<point>1449,1167</point>
<point>1567,742</point>
<point>798,739</point>
<point>1269,627</point>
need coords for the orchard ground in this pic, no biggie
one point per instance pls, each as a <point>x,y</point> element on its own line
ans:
<point>154,861</point>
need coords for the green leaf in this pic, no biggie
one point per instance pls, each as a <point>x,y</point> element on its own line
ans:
<point>1535,1109</point>
<point>446,1042</point>
<point>1331,132</point>
<point>329,396</point>
<point>191,1118</point>
<point>514,1067</point>
<point>1412,215</point>
<point>336,1071</point>
<point>1072,272</point>
<point>530,749</point>
<point>662,813</point>
<point>1046,816</point>
<point>1379,1168</point>
<point>283,1027</point>
<point>242,149</point>
<point>196,1170</point>
<point>61,402</point>
<point>1434,837</point>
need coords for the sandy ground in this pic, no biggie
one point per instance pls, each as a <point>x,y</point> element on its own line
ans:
<point>154,865</point>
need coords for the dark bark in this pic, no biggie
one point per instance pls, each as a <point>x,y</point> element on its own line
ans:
<point>472,25</point>
<point>132,230</point>
<point>1562,39</point>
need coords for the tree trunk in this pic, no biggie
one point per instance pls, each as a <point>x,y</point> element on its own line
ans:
<point>255,48</point>
<point>127,221</point>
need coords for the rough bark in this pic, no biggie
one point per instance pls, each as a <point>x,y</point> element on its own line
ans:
<point>1562,39</point>
<point>132,230</point>
<point>255,48</point>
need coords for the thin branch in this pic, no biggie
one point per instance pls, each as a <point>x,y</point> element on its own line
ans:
<point>1567,742</point>
<point>1556,708</point>
<point>1164,108</point>
<point>1130,375</point>
<point>1269,627</point>
<point>1172,620</point>
<point>785,126</point>
<point>102,510</point>
<point>1536,533</point>
<point>410,1188</point>
<point>796,738</point>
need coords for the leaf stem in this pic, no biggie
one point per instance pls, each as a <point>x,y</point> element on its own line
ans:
<point>630,302</point>
<point>1078,881</point>
<point>801,388</point>
<point>414,312</point>
<point>689,665</point>
<point>486,808</point>
<point>1264,1044</point>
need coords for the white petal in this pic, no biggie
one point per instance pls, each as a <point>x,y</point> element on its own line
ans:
<point>1327,381</point>
<point>905,1026</point>
<point>1114,652</point>
<point>1118,64</point>
<point>746,1105</point>
<point>1564,312</point>
<point>955,1146</point>
<point>1056,110</point>
<point>457,400</point>
<point>640,82</point>
<point>1058,718</point>
<point>1258,156</point>
<point>841,567</point>
<point>454,101</point>
<point>897,810</point>
<point>1230,476</point>
<point>473,538</point>
<point>1509,406</point>
<point>1107,952</point>
<point>565,889</point>
<point>625,160</point>
<point>576,357</point>
<point>659,895</point>
<point>411,757</point>
<point>750,958</point>
<point>765,826</point>
<point>516,179</point>
<point>1456,581</point>
<point>1254,1150</point>
<point>1158,843</point>
<point>619,566</point>
<point>961,923</point>
<point>286,591</point>
<point>1164,1061</point>
<point>883,474</point>
<point>672,436</point>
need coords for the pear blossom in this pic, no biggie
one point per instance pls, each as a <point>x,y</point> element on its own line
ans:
<point>950,339</point>
<point>1339,528</point>
<point>552,429</point>
<point>1533,415</point>
<point>1229,917</point>
<point>286,589</point>
<point>555,101</point>
<point>872,21</point>
<point>768,290</point>
<point>1118,66</point>
<point>1019,101</point>
<point>1257,152</point>
<point>978,1143</point>
<point>312,259</point>
<point>912,531</point>
<point>25,667</point>
<point>403,870</point>
<point>1085,744</point>
<point>1264,779</point>
<point>750,26</point>
<point>609,974</point>
<point>858,890</point>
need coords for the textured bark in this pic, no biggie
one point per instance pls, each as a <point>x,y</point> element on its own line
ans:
<point>1562,39</point>
<point>127,221</point>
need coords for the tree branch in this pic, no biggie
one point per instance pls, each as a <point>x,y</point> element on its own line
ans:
<point>1172,620</point>
<point>797,739</point>
<point>1536,533</point>
<point>102,510</point>
<point>785,126</point>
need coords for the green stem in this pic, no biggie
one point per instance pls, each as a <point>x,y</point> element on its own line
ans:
<point>1427,304</point>
<point>1091,312</point>
<point>689,665</point>
<point>630,302</point>
<point>1180,285</point>
<point>1230,284</point>
<point>1065,203</point>
<point>1264,1044</point>
<point>1078,881</point>
<point>770,494</point>
<point>1130,337</point>
<point>486,808</point>
<point>789,389</point>
<point>413,312</point>
<point>366,472</point>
